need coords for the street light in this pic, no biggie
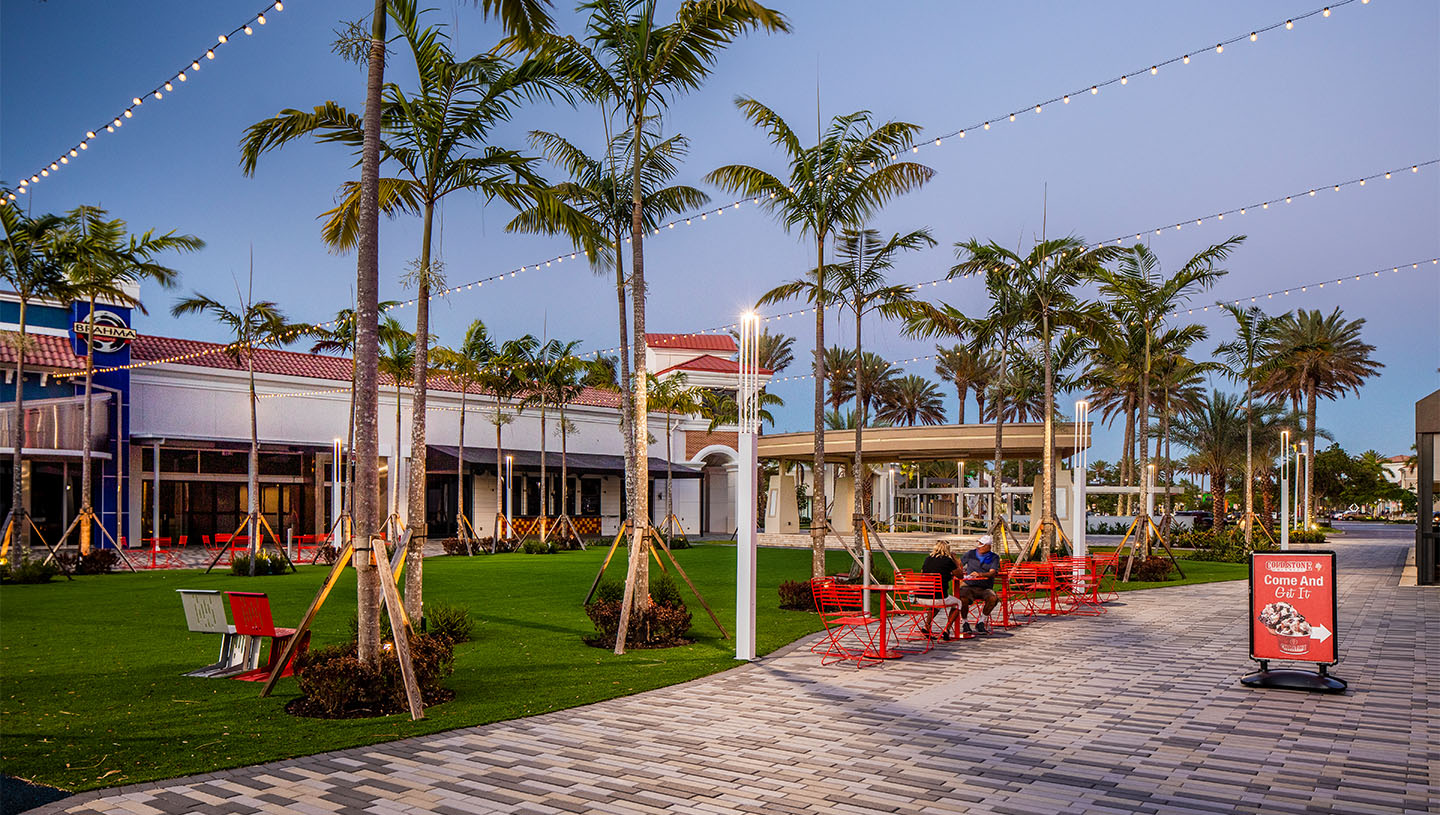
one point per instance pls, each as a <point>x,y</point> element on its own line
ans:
<point>747,416</point>
<point>1284,490</point>
<point>509,493</point>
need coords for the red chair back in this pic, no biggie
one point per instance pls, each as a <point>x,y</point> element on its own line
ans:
<point>251,613</point>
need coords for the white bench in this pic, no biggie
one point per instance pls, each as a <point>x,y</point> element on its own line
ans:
<point>205,614</point>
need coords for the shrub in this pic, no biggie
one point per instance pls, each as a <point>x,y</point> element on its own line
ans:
<point>456,546</point>
<point>796,595</point>
<point>448,621</point>
<point>1153,569</point>
<point>327,555</point>
<point>99,561</point>
<point>336,684</point>
<point>1307,535</point>
<point>265,563</point>
<point>31,571</point>
<point>538,548</point>
<point>662,625</point>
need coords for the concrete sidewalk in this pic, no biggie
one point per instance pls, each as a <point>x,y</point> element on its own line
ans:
<point>1136,711</point>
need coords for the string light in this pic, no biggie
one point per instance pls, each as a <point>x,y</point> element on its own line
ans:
<point>1305,287</point>
<point>159,91</point>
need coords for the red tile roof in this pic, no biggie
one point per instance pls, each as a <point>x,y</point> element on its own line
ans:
<point>44,351</point>
<point>711,364</point>
<point>693,342</point>
<point>150,348</point>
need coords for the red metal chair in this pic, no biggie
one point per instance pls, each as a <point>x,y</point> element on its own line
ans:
<point>848,633</point>
<point>1077,579</point>
<point>1107,566</point>
<point>910,620</point>
<point>251,613</point>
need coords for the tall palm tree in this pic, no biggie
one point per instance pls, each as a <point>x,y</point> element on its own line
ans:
<point>1044,283</point>
<point>29,264</point>
<point>1215,432</point>
<point>673,397</point>
<point>1142,294</point>
<point>254,325</point>
<point>593,209</point>
<point>462,366</point>
<point>1315,355</point>
<point>397,361</point>
<point>850,172</point>
<point>632,65</point>
<point>438,138</point>
<point>967,367</point>
<point>1253,329</point>
<point>839,375</point>
<point>102,259</point>
<point>564,380</point>
<point>720,407</point>
<point>1114,388</point>
<point>1177,383</point>
<point>913,400</point>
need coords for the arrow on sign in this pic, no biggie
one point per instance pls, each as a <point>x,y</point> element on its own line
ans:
<point>1319,632</point>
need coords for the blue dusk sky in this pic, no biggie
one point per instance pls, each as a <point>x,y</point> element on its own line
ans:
<point>1334,99</point>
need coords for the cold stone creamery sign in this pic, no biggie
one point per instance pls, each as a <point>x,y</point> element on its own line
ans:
<point>110,335</point>
<point>1292,607</point>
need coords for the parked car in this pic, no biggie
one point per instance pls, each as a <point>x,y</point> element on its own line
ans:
<point>1200,519</point>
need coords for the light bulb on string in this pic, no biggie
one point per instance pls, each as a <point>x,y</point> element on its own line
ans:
<point>249,31</point>
<point>1186,59</point>
<point>223,39</point>
<point>169,87</point>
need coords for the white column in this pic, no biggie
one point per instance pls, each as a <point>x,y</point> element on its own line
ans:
<point>1284,490</point>
<point>337,469</point>
<point>747,414</point>
<point>1078,465</point>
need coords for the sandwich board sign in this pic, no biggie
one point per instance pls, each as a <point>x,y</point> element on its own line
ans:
<point>1293,618</point>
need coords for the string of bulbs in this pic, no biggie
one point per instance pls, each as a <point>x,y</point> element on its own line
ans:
<point>156,93</point>
<point>1261,207</point>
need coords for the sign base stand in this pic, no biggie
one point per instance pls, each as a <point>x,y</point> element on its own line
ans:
<point>1294,679</point>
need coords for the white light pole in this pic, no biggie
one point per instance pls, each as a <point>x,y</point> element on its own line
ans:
<point>747,401</point>
<point>509,495</point>
<point>336,468</point>
<point>1300,481</point>
<point>1078,463</point>
<point>1284,490</point>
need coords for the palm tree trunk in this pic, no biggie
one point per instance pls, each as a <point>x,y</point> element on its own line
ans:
<point>85,464</point>
<point>544,477</point>
<point>460,471</point>
<point>499,471</point>
<point>859,430</point>
<point>1142,432</point>
<point>637,578</point>
<point>627,418</point>
<point>997,411</point>
<point>1169,465</point>
<point>367,352</point>
<point>19,531</point>
<point>1249,462</point>
<point>669,480</point>
<point>818,517</point>
<point>1127,469</point>
<point>1047,463</point>
<point>1309,468</point>
<point>960,412</point>
<point>395,476</point>
<point>348,480</point>
<point>415,551</point>
<point>564,465</point>
<point>254,479</point>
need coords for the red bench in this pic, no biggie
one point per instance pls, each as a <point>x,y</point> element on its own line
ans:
<point>251,613</point>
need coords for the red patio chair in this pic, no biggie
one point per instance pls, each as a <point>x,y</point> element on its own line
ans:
<point>1076,577</point>
<point>251,613</point>
<point>848,633</point>
<point>1107,566</point>
<point>908,620</point>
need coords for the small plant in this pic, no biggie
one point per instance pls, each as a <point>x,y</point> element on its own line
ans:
<point>99,561</point>
<point>265,563</point>
<point>31,571</point>
<point>449,621</point>
<point>538,548</point>
<point>478,546</point>
<point>336,684</point>
<point>796,595</point>
<point>662,625</point>
<point>1153,569</point>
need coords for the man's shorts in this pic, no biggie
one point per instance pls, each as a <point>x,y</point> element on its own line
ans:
<point>975,594</point>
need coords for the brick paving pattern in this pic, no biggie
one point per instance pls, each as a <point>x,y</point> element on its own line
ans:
<point>1136,711</point>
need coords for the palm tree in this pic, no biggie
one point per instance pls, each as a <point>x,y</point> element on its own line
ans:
<point>913,400</point>
<point>593,208</point>
<point>848,175</point>
<point>776,351</point>
<point>438,137</point>
<point>1315,355</point>
<point>254,325</point>
<point>1114,388</point>
<point>968,368</point>
<point>1176,380</point>
<point>1141,294</point>
<point>463,366</point>
<point>31,266</point>
<point>1253,329</point>
<point>672,397</point>
<point>638,68</point>
<point>505,376</point>
<point>101,260</point>
<point>720,407</point>
<point>564,380</point>
<point>1215,432</point>
<point>397,361</point>
<point>839,375</point>
<point>1044,282</point>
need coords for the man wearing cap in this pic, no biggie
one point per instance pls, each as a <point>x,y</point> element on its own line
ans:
<point>980,567</point>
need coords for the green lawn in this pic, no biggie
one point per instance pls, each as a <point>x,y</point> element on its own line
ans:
<point>93,696</point>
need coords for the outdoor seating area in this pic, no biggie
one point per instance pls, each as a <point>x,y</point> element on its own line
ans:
<point>897,622</point>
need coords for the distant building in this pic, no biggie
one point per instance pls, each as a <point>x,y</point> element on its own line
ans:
<point>1402,472</point>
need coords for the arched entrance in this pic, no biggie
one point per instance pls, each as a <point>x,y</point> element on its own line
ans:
<point>717,488</point>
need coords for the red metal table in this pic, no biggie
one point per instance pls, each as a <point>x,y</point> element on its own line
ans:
<point>883,651</point>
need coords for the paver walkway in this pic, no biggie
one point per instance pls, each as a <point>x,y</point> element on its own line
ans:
<point>1136,711</point>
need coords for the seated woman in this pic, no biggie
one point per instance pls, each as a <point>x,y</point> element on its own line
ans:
<point>942,563</point>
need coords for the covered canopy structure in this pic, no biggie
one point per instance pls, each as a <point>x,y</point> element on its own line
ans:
<point>946,442</point>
